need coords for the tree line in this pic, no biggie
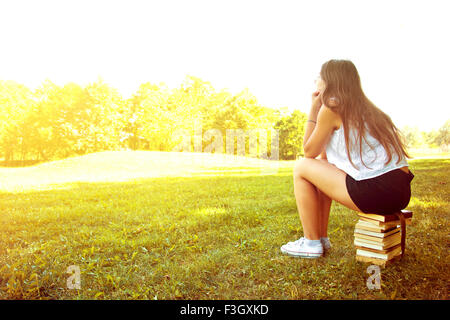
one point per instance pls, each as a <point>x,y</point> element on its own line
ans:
<point>54,122</point>
<point>433,139</point>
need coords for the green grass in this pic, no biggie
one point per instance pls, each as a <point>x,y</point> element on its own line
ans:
<point>199,227</point>
<point>428,153</point>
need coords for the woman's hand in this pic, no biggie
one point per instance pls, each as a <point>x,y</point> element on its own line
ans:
<point>316,102</point>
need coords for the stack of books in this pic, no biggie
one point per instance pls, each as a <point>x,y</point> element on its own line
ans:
<point>378,237</point>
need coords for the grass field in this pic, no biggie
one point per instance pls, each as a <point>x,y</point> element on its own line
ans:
<point>150,225</point>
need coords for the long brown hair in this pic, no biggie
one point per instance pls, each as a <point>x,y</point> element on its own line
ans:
<point>343,94</point>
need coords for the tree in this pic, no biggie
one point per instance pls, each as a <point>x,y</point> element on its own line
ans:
<point>104,121</point>
<point>150,120</point>
<point>442,138</point>
<point>413,136</point>
<point>16,103</point>
<point>57,120</point>
<point>291,131</point>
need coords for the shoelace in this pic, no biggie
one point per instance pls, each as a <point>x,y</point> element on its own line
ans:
<point>297,242</point>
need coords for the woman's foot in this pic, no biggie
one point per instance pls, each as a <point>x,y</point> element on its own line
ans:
<point>325,243</point>
<point>303,248</point>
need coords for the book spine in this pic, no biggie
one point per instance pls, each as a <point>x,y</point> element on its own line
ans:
<point>375,246</point>
<point>374,234</point>
<point>371,254</point>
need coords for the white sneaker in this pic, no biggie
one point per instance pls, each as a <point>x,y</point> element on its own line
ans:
<point>299,248</point>
<point>326,244</point>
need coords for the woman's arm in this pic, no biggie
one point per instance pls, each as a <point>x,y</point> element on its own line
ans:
<point>312,118</point>
<point>323,155</point>
<point>319,130</point>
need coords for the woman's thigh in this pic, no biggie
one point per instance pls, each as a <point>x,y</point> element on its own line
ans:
<point>325,177</point>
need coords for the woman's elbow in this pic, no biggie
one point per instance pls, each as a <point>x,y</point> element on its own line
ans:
<point>310,155</point>
<point>308,152</point>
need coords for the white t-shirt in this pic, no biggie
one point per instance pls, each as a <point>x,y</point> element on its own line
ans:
<point>374,158</point>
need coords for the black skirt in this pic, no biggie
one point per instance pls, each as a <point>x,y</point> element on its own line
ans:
<point>385,194</point>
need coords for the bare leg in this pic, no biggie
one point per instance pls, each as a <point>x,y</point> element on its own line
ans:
<point>309,208</point>
<point>311,175</point>
<point>325,205</point>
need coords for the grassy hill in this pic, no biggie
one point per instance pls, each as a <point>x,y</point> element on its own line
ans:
<point>158,225</point>
<point>114,166</point>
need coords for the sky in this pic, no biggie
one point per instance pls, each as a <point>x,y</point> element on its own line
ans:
<point>273,48</point>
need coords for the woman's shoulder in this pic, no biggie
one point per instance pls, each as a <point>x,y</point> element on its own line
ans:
<point>331,114</point>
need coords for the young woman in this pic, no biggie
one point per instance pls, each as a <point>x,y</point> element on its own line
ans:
<point>353,155</point>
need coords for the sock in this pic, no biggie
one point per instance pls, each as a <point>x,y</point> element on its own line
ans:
<point>324,239</point>
<point>313,243</point>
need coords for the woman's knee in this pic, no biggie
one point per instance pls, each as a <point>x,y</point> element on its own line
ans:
<point>300,167</point>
